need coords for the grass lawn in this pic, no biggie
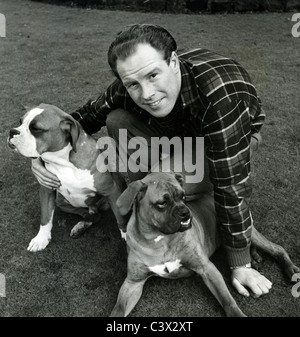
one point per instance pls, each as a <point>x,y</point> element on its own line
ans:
<point>57,55</point>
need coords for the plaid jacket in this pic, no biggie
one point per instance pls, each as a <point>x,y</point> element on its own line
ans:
<point>219,102</point>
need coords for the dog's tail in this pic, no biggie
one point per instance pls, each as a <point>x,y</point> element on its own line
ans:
<point>276,251</point>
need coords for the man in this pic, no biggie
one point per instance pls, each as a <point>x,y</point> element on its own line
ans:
<point>196,94</point>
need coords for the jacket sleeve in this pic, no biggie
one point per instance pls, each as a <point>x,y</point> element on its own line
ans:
<point>92,116</point>
<point>229,132</point>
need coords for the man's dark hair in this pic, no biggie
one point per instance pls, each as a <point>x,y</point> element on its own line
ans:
<point>126,41</point>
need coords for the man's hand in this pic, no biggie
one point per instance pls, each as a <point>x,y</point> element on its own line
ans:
<point>243,277</point>
<point>43,176</point>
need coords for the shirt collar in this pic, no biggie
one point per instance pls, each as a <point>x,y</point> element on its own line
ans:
<point>190,93</point>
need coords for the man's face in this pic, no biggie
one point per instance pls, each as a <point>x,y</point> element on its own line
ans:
<point>151,82</point>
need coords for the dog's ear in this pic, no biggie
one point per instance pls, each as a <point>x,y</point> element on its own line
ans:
<point>27,107</point>
<point>71,126</point>
<point>126,199</point>
<point>179,178</point>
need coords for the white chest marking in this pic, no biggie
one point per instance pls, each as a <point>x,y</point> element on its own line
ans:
<point>160,237</point>
<point>166,268</point>
<point>76,184</point>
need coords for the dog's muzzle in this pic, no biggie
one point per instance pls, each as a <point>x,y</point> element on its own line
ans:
<point>12,133</point>
<point>12,146</point>
<point>185,218</point>
<point>185,225</point>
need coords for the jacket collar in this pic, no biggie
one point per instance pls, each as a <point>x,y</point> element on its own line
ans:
<point>190,93</point>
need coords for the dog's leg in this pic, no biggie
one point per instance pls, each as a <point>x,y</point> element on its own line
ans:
<point>276,251</point>
<point>131,289</point>
<point>216,284</point>
<point>83,225</point>
<point>91,214</point>
<point>256,259</point>
<point>80,228</point>
<point>112,199</point>
<point>110,188</point>
<point>41,240</point>
<point>129,294</point>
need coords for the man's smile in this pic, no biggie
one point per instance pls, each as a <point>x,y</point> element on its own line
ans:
<point>155,103</point>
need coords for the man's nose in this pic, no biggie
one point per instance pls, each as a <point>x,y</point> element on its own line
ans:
<point>147,91</point>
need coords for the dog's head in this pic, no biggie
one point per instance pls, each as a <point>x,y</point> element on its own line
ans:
<point>159,199</point>
<point>45,128</point>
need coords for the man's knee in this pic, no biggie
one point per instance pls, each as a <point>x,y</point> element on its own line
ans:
<point>118,119</point>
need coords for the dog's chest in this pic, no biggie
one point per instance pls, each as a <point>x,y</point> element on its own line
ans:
<point>167,268</point>
<point>158,256</point>
<point>172,269</point>
<point>76,184</point>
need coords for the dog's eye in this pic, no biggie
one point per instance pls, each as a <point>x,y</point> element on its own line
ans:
<point>162,204</point>
<point>33,128</point>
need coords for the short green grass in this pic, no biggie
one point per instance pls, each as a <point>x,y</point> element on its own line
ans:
<point>58,55</point>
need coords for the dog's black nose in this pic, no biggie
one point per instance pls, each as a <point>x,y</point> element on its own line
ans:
<point>13,132</point>
<point>184,213</point>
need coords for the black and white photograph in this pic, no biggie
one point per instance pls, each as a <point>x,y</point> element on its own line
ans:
<point>150,161</point>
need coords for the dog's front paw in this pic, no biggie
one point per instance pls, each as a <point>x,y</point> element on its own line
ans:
<point>39,242</point>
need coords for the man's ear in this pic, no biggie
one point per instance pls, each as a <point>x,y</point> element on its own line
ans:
<point>174,62</point>
<point>71,126</point>
<point>127,198</point>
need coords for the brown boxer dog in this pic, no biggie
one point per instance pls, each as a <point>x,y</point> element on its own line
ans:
<point>48,133</point>
<point>170,238</point>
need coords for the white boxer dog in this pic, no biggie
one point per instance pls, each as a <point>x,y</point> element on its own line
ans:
<point>48,133</point>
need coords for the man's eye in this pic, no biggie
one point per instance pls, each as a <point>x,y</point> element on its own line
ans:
<point>132,86</point>
<point>153,75</point>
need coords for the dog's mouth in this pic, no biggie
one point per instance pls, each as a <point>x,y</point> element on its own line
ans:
<point>12,146</point>
<point>184,225</point>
